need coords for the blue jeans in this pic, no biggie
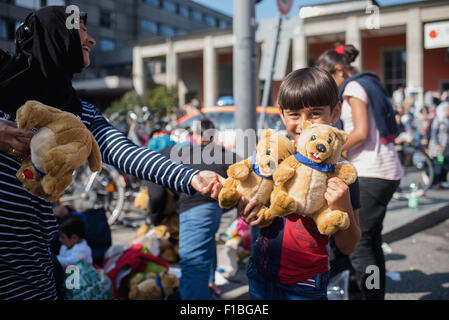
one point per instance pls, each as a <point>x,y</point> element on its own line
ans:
<point>269,288</point>
<point>198,250</point>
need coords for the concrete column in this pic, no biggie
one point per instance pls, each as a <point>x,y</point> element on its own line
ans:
<point>354,36</point>
<point>172,67</point>
<point>299,51</point>
<point>139,80</point>
<point>414,39</point>
<point>210,68</point>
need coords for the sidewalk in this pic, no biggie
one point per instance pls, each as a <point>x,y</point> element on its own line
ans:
<point>400,222</point>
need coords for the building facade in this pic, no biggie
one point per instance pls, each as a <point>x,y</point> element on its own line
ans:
<point>390,40</point>
<point>116,25</point>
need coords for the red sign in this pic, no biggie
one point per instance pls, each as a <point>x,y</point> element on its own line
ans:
<point>284,6</point>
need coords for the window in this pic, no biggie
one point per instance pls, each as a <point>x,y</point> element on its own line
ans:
<point>169,6</point>
<point>180,31</point>
<point>197,16</point>
<point>210,21</point>
<point>166,30</point>
<point>223,24</point>
<point>148,26</point>
<point>7,28</point>
<point>4,33</point>
<point>30,4</point>
<point>54,3</point>
<point>394,68</point>
<point>107,44</point>
<point>106,19</point>
<point>184,11</point>
<point>152,2</point>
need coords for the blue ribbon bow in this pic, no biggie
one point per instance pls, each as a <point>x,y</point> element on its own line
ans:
<point>323,167</point>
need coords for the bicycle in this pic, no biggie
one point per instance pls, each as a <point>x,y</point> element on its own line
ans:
<point>417,165</point>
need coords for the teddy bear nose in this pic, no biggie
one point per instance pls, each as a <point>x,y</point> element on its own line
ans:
<point>321,148</point>
<point>271,165</point>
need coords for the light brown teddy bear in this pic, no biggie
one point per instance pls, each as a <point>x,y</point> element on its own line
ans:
<point>154,287</point>
<point>252,177</point>
<point>301,180</point>
<point>61,144</point>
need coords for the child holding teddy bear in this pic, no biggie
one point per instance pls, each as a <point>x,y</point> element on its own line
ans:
<point>290,257</point>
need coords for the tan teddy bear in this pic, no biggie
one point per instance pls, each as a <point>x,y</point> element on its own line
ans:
<point>252,177</point>
<point>301,179</point>
<point>154,287</point>
<point>61,144</point>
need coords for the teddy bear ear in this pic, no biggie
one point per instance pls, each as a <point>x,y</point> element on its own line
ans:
<point>306,124</point>
<point>343,136</point>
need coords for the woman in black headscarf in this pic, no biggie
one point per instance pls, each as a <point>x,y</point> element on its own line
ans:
<point>47,55</point>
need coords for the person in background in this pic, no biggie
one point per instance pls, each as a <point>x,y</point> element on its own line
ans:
<point>369,120</point>
<point>439,145</point>
<point>74,247</point>
<point>200,216</point>
<point>398,97</point>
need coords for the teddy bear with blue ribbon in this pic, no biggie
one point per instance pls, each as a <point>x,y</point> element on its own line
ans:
<point>253,177</point>
<point>301,179</point>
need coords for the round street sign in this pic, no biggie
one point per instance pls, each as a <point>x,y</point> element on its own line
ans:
<point>284,6</point>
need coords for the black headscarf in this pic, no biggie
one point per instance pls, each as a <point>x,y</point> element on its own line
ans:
<point>47,55</point>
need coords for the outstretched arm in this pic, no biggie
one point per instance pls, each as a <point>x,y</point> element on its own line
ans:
<point>144,163</point>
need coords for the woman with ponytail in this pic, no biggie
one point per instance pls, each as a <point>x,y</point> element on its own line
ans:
<point>368,118</point>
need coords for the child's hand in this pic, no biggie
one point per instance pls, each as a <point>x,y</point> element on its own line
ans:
<point>439,149</point>
<point>248,211</point>
<point>337,195</point>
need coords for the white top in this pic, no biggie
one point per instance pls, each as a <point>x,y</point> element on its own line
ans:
<point>80,251</point>
<point>372,159</point>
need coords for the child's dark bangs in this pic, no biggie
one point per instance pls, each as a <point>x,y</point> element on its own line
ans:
<point>309,87</point>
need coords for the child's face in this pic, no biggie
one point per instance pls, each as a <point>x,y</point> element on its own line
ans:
<point>294,119</point>
<point>68,242</point>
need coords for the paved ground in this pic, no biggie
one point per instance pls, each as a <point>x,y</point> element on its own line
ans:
<point>399,224</point>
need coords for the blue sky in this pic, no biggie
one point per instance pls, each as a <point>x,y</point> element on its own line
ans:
<point>267,8</point>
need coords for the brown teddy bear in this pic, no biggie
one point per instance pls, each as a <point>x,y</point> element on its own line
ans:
<point>301,179</point>
<point>252,177</point>
<point>61,144</point>
<point>152,286</point>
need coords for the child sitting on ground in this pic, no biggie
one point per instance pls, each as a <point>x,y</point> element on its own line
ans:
<point>74,247</point>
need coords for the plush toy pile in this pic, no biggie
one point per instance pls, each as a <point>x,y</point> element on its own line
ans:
<point>61,144</point>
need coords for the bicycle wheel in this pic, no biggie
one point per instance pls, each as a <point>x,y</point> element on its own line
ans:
<point>418,167</point>
<point>104,189</point>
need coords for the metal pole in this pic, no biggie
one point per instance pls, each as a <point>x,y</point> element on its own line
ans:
<point>244,69</point>
<point>267,84</point>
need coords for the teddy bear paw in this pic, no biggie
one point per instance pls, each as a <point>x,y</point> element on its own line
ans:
<point>228,198</point>
<point>268,218</point>
<point>282,205</point>
<point>337,220</point>
<point>238,172</point>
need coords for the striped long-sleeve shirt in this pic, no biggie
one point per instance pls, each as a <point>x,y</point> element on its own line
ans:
<point>27,223</point>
